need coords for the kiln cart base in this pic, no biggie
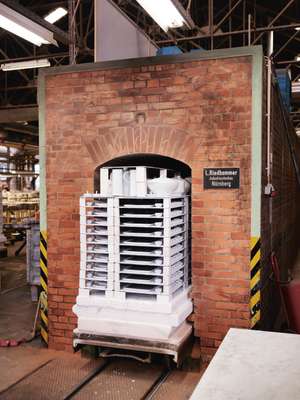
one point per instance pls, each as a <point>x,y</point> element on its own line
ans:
<point>176,346</point>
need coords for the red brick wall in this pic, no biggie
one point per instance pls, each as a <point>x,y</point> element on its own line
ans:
<point>281,214</point>
<point>197,112</point>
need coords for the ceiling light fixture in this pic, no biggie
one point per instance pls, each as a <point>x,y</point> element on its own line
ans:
<point>167,13</point>
<point>44,62</point>
<point>55,15</point>
<point>19,25</point>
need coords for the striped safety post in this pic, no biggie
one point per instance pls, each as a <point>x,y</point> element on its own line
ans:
<point>44,285</point>
<point>255,284</point>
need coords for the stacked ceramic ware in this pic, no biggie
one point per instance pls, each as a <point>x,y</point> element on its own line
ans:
<point>151,246</point>
<point>135,255</point>
<point>97,245</point>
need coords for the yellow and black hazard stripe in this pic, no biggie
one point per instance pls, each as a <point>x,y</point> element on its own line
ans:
<point>44,284</point>
<point>255,282</point>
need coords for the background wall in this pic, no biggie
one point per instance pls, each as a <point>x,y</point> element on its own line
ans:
<point>281,213</point>
<point>198,112</point>
<point>116,37</point>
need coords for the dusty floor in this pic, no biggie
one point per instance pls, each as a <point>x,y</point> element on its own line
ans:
<point>13,269</point>
<point>16,362</point>
<point>17,313</point>
<point>16,308</point>
<point>30,371</point>
<point>34,373</point>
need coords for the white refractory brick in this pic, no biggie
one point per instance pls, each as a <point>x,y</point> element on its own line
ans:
<point>132,189</point>
<point>117,182</point>
<point>141,175</point>
<point>104,182</point>
<point>91,297</point>
<point>141,188</point>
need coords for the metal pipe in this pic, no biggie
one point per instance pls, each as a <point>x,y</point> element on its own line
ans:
<point>244,21</point>
<point>249,29</point>
<point>231,9</point>
<point>16,173</point>
<point>288,62</point>
<point>285,44</point>
<point>72,33</point>
<point>36,57</point>
<point>211,22</point>
<point>238,32</point>
<point>230,25</point>
<point>269,96</point>
<point>14,88</point>
<point>275,19</point>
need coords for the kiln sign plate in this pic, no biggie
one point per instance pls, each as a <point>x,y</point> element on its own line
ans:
<point>221,178</point>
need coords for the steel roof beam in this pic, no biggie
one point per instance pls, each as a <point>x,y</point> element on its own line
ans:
<point>282,11</point>
<point>12,114</point>
<point>59,34</point>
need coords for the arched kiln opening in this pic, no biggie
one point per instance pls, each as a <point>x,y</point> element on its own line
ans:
<point>136,250</point>
<point>152,160</point>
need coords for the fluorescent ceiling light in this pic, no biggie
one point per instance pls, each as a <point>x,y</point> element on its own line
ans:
<point>167,13</point>
<point>26,65</point>
<point>295,88</point>
<point>297,58</point>
<point>19,25</point>
<point>56,14</point>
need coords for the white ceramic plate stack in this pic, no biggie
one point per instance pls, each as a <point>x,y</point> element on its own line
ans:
<point>151,251</point>
<point>134,266</point>
<point>97,245</point>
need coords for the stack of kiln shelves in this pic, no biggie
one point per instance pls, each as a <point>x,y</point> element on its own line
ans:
<point>134,273</point>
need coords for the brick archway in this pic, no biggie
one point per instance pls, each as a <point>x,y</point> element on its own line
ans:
<point>161,140</point>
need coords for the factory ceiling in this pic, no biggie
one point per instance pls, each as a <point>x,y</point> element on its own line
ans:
<point>218,24</point>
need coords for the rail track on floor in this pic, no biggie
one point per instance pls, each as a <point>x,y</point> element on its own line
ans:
<point>103,378</point>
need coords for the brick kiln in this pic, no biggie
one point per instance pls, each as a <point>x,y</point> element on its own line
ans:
<point>202,110</point>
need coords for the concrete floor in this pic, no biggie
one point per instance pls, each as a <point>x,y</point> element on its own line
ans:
<point>17,313</point>
<point>17,362</point>
<point>35,373</point>
<point>13,269</point>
